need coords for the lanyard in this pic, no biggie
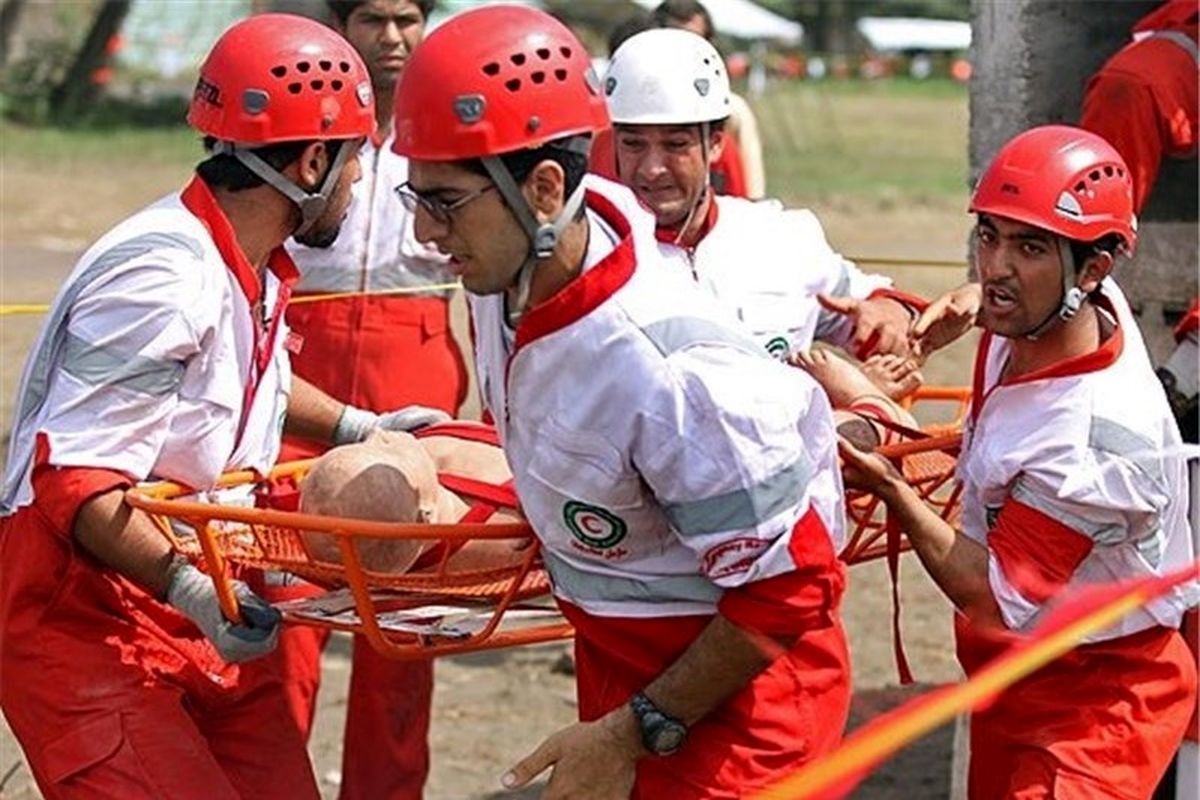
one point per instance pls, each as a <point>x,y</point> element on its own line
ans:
<point>264,348</point>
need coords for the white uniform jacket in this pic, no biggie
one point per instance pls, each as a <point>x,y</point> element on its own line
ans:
<point>766,264</point>
<point>660,456</point>
<point>150,361</point>
<point>1074,475</point>
<point>376,249</point>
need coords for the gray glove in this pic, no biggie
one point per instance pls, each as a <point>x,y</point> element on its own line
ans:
<point>193,593</point>
<point>356,424</point>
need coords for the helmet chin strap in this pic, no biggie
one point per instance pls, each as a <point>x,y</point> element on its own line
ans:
<point>543,236</point>
<point>1072,296</point>
<point>311,204</point>
<point>705,132</point>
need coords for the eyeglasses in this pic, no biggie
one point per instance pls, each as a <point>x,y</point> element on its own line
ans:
<point>441,212</point>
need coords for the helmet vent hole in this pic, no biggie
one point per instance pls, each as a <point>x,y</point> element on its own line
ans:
<point>344,66</point>
<point>1120,172</point>
<point>518,59</point>
<point>1080,187</point>
<point>538,77</point>
<point>1108,171</point>
<point>566,52</point>
<point>1094,175</point>
<point>560,74</point>
<point>491,70</point>
<point>513,84</point>
<point>543,53</point>
<point>317,85</point>
<point>303,66</point>
<point>325,65</point>
<point>295,88</point>
<point>279,71</point>
<point>336,85</point>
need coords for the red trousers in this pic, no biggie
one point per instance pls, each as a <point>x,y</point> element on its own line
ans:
<point>113,694</point>
<point>1103,721</point>
<point>792,712</point>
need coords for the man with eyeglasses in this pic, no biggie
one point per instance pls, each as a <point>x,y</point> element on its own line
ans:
<point>377,351</point>
<point>683,484</point>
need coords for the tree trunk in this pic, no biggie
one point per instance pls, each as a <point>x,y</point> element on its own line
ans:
<point>78,92</point>
<point>10,15</point>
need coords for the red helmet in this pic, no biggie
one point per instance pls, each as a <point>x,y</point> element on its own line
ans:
<point>1062,179</point>
<point>279,78</point>
<point>494,80</point>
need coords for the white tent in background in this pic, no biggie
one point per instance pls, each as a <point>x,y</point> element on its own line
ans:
<point>743,19</point>
<point>904,34</point>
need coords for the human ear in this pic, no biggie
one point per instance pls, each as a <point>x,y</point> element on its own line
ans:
<point>716,145</point>
<point>545,190</point>
<point>1096,267</point>
<point>312,165</point>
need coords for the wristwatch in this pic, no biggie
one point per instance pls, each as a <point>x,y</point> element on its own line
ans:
<point>662,734</point>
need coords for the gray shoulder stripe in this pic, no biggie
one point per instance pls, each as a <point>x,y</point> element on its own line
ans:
<point>742,508</point>
<point>102,366</point>
<point>1108,436</point>
<point>575,583</point>
<point>677,333</point>
<point>39,376</point>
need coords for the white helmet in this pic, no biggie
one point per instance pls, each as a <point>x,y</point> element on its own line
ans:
<point>667,76</point>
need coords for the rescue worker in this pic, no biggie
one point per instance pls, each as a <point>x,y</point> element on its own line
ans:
<point>690,15</point>
<point>684,487</point>
<point>377,351</point>
<point>770,267</point>
<point>1071,477</point>
<point>1144,99</point>
<point>164,356</point>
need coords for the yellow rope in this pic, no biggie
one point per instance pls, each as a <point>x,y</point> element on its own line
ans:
<point>41,308</point>
<point>7,309</point>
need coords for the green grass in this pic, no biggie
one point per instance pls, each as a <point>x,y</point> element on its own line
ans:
<point>103,148</point>
<point>895,141</point>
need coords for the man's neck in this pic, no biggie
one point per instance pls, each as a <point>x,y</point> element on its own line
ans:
<point>261,219</point>
<point>1078,336</point>
<point>383,111</point>
<point>564,265</point>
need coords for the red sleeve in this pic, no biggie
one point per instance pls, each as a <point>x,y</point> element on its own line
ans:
<point>1190,322</point>
<point>59,492</point>
<point>796,601</point>
<point>1037,553</point>
<point>1120,107</point>
<point>603,158</point>
<point>730,171</point>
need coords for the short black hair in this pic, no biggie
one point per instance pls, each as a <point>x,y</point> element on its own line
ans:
<point>673,13</point>
<point>342,9</point>
<point>628,28</point>
<point>520,164</point>
<point>1081,251</point>
<point>224,171</point>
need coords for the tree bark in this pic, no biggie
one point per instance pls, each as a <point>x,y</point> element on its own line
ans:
<point>77,92</point>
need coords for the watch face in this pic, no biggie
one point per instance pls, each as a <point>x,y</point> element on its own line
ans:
<point>669,738</point>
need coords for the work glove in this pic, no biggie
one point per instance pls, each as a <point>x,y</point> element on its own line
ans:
<point>356,424</point>
<point>192,592</point>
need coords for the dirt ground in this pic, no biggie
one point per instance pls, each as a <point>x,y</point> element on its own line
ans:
<point>491,709</point>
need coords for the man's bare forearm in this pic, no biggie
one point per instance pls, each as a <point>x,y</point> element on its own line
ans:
<point>124,539</point>
<point>957,564</point>
<point>311,414</point>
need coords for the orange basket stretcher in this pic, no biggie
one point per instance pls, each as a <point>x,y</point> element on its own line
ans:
<point>927,459</point>
<point>441,610</point>
<point>434,612</point>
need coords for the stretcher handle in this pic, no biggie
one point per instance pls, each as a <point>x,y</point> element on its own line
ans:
<point>218,570</point>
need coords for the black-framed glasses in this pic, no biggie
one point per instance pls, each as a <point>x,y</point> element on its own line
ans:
<point>441,211</point>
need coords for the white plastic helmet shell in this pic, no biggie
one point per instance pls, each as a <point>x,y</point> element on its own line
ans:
<point>667,76</point>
